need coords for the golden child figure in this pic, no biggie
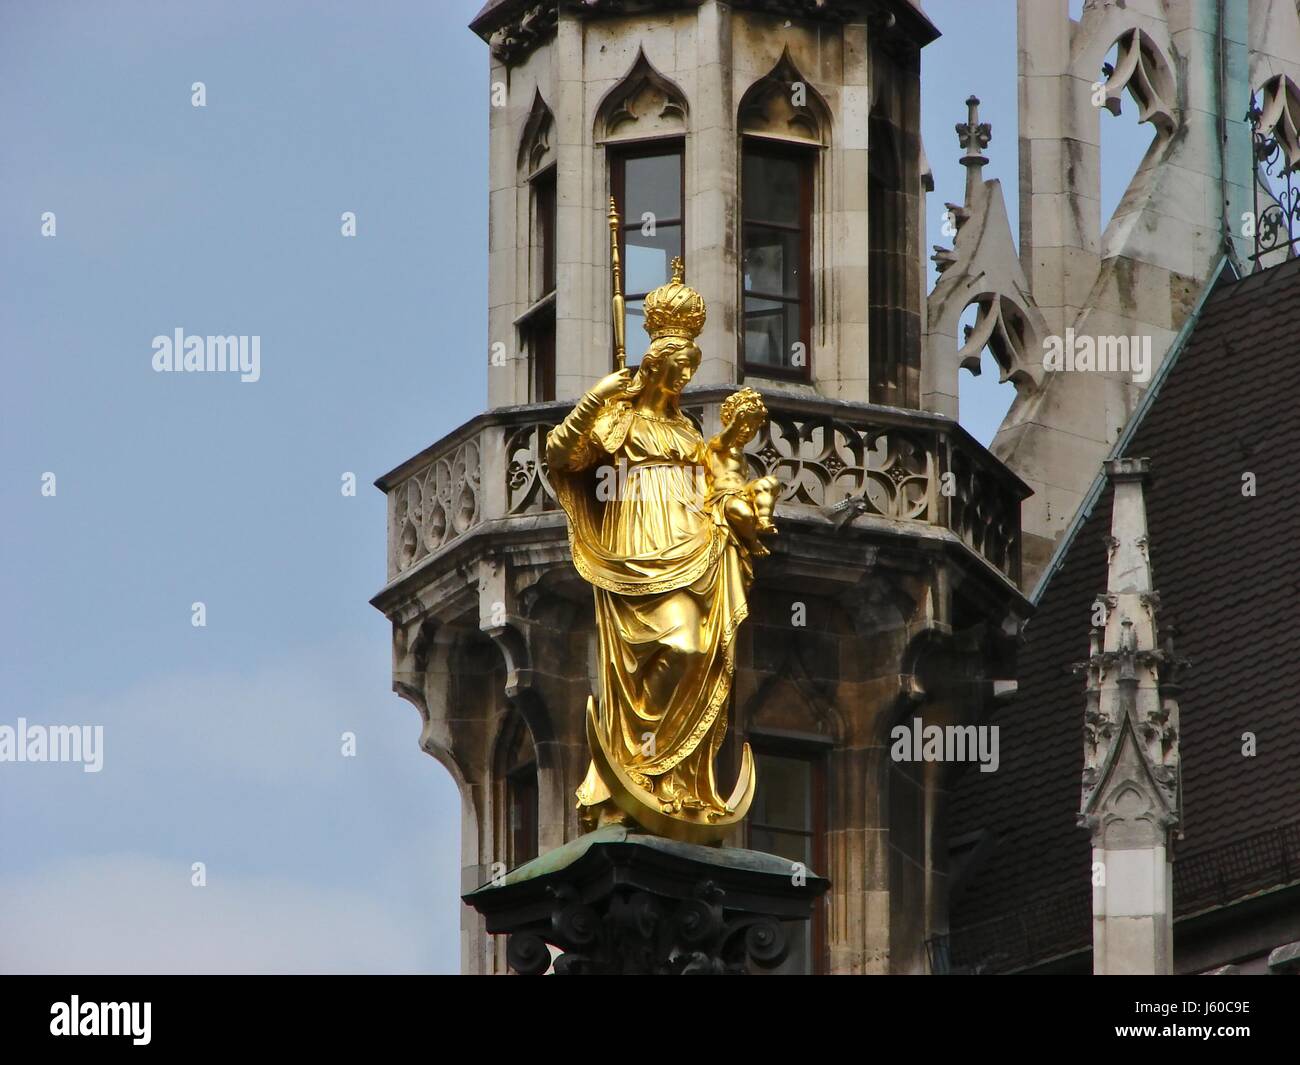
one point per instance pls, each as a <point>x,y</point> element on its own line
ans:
<point>747,505</point>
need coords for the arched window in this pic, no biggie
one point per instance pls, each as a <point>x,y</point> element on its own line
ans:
<point>888,319</point>
<point>788,819</point>
<point>646,182</point>
<point>776,257</point>
<point>642,124</point>
<point>541,326</point>
<point>783,124</point>
<point>793,732</point>
<point>517,787</point>
<point>537,324</point>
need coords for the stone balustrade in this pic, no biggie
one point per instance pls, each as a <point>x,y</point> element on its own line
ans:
<point>837,462</point>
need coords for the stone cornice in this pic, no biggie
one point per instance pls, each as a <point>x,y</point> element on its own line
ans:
<point>513,28</point>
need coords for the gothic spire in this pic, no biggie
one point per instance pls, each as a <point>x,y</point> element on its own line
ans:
<point>1131,783</point>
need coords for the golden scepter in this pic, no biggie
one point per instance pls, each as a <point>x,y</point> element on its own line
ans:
<point>620,324</point>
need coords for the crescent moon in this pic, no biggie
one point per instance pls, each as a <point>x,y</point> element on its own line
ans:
<point>648,812</point>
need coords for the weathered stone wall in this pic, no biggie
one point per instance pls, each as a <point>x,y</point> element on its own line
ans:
<point>566,102</point>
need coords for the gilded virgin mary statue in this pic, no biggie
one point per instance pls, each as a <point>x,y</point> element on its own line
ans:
<point>663,525</point>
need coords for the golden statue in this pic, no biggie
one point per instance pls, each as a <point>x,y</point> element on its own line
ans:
<point>663,526</point>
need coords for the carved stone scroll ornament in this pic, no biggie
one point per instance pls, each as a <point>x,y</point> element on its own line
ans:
<point>640,933</point>
<point>516,38</point>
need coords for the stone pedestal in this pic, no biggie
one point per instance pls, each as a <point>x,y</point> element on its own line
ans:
<point>618,901</point>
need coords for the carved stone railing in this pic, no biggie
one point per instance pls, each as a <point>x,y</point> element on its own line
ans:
<point>835,460</point>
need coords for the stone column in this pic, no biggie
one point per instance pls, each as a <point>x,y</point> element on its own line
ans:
<point>712,193</point>
<point>505,378</point>
<point>582,346</point>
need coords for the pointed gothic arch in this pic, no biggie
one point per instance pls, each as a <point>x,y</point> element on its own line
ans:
<point>515,789</point>
<point>791,684</point>
<point>785,105</point>
<point>1280,116</point>
<point>1007,327</point>
<point>644,104</point>
<point>1142,68</point>
<point>535,149</point>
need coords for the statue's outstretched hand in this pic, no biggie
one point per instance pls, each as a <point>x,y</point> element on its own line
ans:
<point>612,387</point>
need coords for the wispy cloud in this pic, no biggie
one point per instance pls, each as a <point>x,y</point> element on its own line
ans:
<point>315,861</point>
<point>138,914</point>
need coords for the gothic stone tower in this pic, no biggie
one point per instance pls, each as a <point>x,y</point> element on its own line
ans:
<point>1189,69</point>
<point>774,146</point>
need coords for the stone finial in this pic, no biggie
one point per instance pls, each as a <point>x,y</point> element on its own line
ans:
<point>981,269</point>
<point>974,135</point>
<point>1134,674</point>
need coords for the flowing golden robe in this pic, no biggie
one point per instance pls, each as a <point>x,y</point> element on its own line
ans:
<point>648,533</point>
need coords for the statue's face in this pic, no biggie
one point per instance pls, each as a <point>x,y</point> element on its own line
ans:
<point>679,368</point>
<point>751,421</point>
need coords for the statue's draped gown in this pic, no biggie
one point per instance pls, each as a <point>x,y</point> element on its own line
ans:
<point>669,582</point>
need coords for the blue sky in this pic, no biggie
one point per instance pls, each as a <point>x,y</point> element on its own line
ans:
<point>223,743</point>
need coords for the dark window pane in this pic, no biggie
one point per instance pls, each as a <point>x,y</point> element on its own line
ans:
<point>771,189</point>
<point>772,334</point>
<point>784,798</point>
<point>542,339</point>
<point>793,338</point>
<point>772,261</point>
<point>653,183</point>
<point>774,257</point>
<point>521,801</point>
<point>783,822</point>
<point>648,257</point>
<point>764,332</point>
<point>637,338</point>
<point>641,185</point>
<point>792,845</point>
<point>520,772</point>
<point>544,205</point>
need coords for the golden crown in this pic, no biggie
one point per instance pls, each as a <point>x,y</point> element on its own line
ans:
<point>674,309</point>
